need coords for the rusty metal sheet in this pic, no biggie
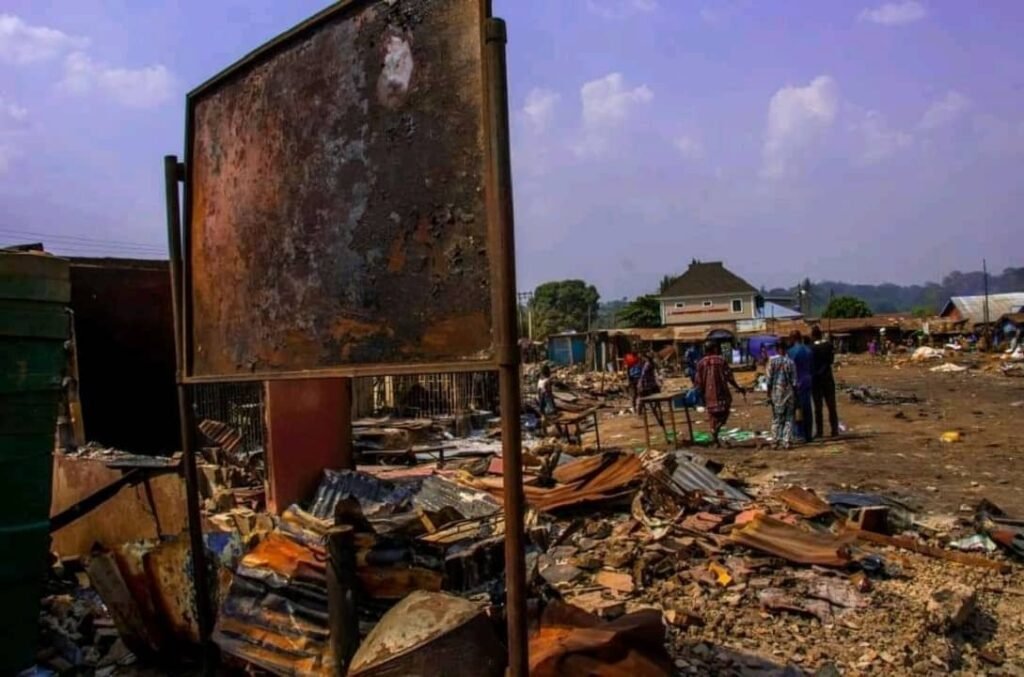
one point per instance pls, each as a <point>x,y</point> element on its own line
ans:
<point>618,476</point>
<point>336,215</point>
<point>571,641</point>
<point>804,502</point>
<point>783,540</point>
<point>431,633</point>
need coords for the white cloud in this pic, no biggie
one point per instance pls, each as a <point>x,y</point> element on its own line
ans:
<point>945,111</point>
<point>11,112</point>
<point>620,9</point>
<point>879,140</point>
<point>134,87</point>
<point>796,117</point>
<point>690,147</point>
<point>607,104</point>
<point>895,13</point>
<point>22,43</point>
<point>539,108</point>
<point>13,119</point>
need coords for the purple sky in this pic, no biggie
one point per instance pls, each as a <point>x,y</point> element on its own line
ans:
<point>858,139</point>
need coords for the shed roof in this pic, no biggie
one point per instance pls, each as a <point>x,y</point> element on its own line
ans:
<point>973,307</point>
<point>706,278</point>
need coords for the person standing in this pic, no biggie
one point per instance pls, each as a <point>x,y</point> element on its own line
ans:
<point>823,384</point>
<point>632,363</point>
<point>691,357</point>
<point>782,396</point>
<point>546,392</point>
<point>713,379</point>
<point>802,359</point>
<point>647,384</point>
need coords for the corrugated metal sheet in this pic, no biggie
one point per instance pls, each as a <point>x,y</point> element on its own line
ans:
<point>972,308</point>
<point>791,543</point>
<point>692,476</point>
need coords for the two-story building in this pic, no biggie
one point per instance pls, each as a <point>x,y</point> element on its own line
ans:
<point>707,293</point>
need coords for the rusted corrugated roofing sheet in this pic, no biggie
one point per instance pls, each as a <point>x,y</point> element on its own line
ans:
<point>573,642</point>
<point>226,437</point>
<point>613,480</point>
<point>804,502</point>
<point>796,545</point>
<point>275,613</point>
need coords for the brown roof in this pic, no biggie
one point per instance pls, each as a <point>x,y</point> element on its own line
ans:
<point>703,279</point>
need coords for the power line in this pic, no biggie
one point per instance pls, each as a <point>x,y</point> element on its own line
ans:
<point>10,232</point>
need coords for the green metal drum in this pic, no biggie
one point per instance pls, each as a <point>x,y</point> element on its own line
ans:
<point>34,293</point>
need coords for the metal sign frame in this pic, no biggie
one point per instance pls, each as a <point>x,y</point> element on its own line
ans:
<point>501,243</point>
<point>264,54</point>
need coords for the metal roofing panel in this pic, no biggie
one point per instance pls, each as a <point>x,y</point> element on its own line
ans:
<point>695,477</point>
<point>973,307</point>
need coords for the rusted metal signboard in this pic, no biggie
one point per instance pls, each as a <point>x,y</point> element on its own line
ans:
<point>336,185</point>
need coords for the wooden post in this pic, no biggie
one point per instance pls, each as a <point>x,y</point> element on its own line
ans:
<point>343,619</point>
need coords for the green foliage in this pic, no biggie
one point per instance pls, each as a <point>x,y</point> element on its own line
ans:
<point>666,282</point>
<point>643,311</point>
<point>922,311</point>
<point>892,298</point>
<point>565,305</point>
<point>845,307</point>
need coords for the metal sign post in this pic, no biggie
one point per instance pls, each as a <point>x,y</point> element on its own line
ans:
<point>507,334</point>
<point>348,212</point>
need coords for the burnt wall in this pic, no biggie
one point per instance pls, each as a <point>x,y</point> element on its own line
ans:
<point>125,337</point>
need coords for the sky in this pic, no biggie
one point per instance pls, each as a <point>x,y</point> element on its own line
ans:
<point>853,140</point>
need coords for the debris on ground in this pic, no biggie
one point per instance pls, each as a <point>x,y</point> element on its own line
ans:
<point>875,396</point>
<point>640,562</point>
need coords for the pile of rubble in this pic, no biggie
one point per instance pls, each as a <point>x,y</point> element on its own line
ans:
<point>681,571</point>
<point>578,389</point>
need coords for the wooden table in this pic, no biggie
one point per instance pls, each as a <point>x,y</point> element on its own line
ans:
<point>656,400</point>
<point>567,419</point>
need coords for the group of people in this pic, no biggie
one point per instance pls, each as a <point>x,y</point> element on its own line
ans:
<point>800,386</point>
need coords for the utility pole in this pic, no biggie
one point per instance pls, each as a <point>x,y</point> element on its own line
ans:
<point>831,295</point>
<point>984,272</point>
<point>526,299</point>
<point>985,316</point>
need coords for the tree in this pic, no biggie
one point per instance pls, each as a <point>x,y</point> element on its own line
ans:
<point>566,305</point>
<point>643,311</point>
<point>922,311</point>
<point>846,306</point>
<point>666,282</point>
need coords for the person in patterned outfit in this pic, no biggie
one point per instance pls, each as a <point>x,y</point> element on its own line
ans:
<point>782,395</point>
<point>713,379</point>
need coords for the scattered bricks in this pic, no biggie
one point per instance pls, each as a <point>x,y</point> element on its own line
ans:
<point>950,606</point>
<point>614,580</point>
<point>560,574</point>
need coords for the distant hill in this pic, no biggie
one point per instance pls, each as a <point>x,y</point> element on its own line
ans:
<point>930,297</point>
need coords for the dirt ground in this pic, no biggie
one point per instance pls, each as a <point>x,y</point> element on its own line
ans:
<point>889,449</point>
<point>892,450</point>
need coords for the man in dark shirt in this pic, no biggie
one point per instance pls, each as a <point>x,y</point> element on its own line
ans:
<point>823,384</point>
<point>801,356</point>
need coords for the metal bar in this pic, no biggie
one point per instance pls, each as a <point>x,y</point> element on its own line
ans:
<point>173,173</point>
<point>505,333</point>
<point>384,369</point>
<point>675,432</point>
<point>95,499</point>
